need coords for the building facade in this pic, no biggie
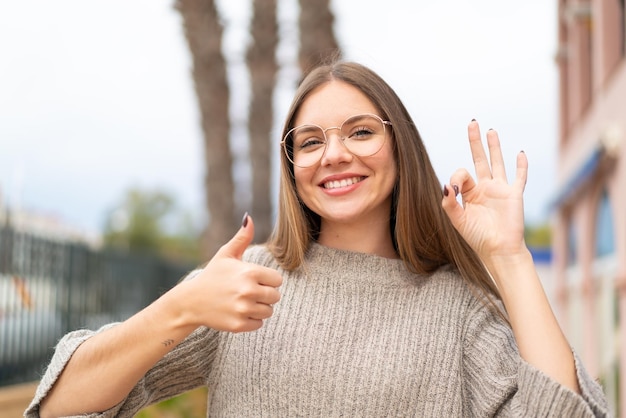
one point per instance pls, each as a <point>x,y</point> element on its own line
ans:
<point>589,209</point>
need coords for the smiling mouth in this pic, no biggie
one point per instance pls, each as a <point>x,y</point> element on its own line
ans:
<point>342,183</point>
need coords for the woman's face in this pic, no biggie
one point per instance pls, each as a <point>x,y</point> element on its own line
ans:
<point>342,187</point>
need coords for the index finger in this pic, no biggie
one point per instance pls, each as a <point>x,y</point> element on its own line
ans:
<point>481,163</point>
<point>270,277</point>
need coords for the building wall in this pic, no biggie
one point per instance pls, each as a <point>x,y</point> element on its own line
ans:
<point>589,219</point>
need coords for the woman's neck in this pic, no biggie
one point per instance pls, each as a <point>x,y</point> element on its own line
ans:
<point>373,238</point>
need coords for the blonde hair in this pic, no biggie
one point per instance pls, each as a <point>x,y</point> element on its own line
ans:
<point>422,234</point>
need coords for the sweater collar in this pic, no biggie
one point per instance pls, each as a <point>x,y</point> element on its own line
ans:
<point>355,266</point>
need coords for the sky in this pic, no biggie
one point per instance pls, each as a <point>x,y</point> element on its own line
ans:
<point>96,97</point>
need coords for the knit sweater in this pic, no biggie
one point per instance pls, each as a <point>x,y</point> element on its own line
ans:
<point>356,335</point>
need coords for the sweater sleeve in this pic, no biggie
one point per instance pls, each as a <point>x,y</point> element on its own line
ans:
<point>62,354</point>
<point>182,369</point>
<point>498,382</point>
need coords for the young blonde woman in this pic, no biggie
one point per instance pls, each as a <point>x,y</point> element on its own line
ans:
<point>378,294</point>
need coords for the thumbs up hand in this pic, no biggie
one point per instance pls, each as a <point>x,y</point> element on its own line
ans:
<point>229,294</point>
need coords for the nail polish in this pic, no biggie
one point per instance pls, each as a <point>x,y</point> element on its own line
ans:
<point>456,189</point>
<point>244,221</point>
<point>445,190</point>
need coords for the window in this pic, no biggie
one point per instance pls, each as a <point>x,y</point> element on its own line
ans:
<point>572,243</point>
<point>605,238</point>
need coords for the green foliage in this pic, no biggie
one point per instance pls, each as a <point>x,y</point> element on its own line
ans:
<point>539,236</point>
<point>151,222</point>
<point>190,404</point>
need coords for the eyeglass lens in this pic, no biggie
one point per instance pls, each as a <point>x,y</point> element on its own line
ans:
<point>363,135</point>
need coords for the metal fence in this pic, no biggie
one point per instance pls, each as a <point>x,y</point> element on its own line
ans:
<point>49,287</point>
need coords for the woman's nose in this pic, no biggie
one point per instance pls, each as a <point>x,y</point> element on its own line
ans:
<point>336,151</point>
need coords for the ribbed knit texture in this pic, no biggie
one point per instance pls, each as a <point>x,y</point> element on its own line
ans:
<point>358,335</point>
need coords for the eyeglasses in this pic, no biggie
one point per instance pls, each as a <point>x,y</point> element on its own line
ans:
<point>363,135</point>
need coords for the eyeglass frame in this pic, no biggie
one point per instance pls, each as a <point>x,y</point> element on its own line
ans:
<point>283,142</point>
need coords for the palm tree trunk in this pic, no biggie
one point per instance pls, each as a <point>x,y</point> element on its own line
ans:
<point>262,65</point>
<point>203,32</point>
<point>317,37</point>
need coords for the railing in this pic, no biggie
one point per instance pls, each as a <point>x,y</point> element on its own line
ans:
<point>49,287</point>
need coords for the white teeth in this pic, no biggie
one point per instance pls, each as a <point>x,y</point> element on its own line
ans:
<point>341,183</point>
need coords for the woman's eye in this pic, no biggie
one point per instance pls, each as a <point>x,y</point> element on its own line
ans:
<point>361,133</point>
<point>312,142</point>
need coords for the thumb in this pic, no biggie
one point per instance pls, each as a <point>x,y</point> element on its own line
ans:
<point>242,239</point>
<point>451,206</point>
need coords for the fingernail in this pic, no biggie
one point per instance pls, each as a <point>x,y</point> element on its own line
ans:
<point>473,120</point>
<point>522,151</point>
<point>445,190</point>
<point>456,189</point>
<point>491,129</point>
<point>244,221</point>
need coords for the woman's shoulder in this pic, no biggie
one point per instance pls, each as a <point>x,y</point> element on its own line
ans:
<point>261,255</point>
<point>449,277</point>
<point>452,284</point>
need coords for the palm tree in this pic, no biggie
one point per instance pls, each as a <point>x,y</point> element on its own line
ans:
<point>203,32</point>
<point>262,65</point>
<point>317,38</point>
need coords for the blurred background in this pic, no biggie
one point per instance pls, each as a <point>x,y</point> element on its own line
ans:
<point>134,135</point>
<point>99,97</point>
